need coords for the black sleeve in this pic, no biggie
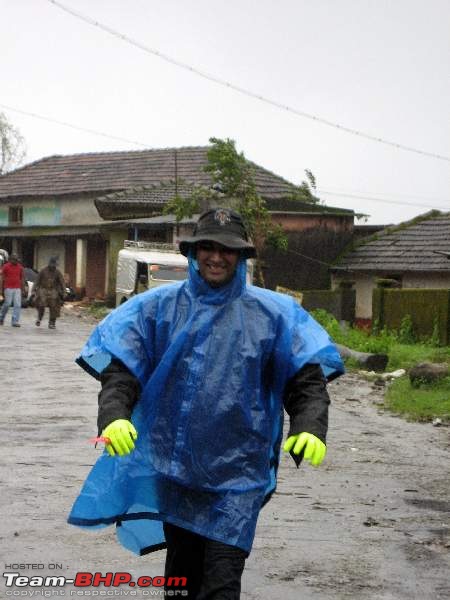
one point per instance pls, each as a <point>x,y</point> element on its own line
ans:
<point>306,401</point>
<point>120,392</point>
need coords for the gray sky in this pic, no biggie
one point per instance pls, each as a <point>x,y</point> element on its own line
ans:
<point>377,66</point>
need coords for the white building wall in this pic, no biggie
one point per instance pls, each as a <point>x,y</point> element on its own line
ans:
<point>78,211</point>
<point>364,285</point>
<point>428,280</point>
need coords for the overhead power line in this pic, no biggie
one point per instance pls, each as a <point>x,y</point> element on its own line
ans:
<point>240,89</point>
<point>114,137</point>
<point>392,194</point>
<point>373,199</point>
<point>77,127</point>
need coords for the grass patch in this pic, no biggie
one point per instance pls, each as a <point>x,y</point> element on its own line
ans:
<point>419,404</point>
<point>98,310</point>
<point>405,356</point>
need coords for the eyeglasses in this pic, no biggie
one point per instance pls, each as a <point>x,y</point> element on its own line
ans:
<point>214,247</point>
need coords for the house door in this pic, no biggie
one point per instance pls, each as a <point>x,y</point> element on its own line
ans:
<point>27,253</point>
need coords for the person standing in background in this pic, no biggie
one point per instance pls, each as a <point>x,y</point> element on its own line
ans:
<point>50,291</point>
<point>13,284</point>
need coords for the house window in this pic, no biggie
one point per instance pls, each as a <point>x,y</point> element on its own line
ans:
<point>15,215</point>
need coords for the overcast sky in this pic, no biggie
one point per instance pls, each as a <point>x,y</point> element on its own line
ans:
<point>377,66</point>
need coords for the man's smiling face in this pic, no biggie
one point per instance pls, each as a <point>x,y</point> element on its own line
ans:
<point>217,264</point>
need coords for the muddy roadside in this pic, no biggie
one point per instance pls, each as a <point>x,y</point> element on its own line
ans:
<point>372,522</point>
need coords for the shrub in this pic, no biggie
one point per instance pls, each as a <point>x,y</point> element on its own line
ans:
<point>406,331</point>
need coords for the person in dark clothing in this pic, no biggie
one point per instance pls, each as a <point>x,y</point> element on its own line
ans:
<point>194,378</point>
<point>50,290</point>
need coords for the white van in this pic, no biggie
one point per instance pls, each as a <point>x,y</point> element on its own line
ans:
<point>145,265</point>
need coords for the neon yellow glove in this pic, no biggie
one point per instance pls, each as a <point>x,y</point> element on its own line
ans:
<point>315,449</point>
<point>122,435</point>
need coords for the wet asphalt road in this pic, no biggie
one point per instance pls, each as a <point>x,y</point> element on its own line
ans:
<point>372,522</point>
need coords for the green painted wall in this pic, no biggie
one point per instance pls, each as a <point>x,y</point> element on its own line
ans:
<point>49,214</point>
<point>41,215</point>
<point>426,307</point>
<point>3,217</point>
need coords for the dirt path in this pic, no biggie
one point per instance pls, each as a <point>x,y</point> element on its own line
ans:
<point>372,522</point>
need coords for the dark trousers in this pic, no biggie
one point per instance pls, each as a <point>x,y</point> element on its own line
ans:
<point>213,570</point>
<point>54,312</point>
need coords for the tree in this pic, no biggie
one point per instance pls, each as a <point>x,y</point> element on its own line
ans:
<point>12,145</point>
<point>305,191</point>
<point>233,185</point>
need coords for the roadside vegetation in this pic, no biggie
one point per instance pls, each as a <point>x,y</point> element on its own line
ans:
<point>421,403</point>
<point>98,310</point>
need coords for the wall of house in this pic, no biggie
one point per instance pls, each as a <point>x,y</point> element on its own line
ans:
<point>294,222</point>
<point>426,280</point>
<point>79,210</point>
<point>70,210</point>
<point>314,242</point>
<point>45,211</point>
<point>3,216</point>
<point>428,309</point>
<point>45,248</point>
<point>365,283</point>
<point>363,286</point>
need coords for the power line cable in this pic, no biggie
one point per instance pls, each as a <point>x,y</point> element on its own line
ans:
<point>239,89</point>
<point>372,199</point>
<point>77,127</point>
<point>316,260</point>
<point>106,135</point>
<point>341,190</point>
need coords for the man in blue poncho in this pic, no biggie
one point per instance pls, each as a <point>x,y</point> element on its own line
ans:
<point>194,378</point>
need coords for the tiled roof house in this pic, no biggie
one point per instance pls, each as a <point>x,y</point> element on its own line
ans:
<point>415,253</point>
<point>81,207</point>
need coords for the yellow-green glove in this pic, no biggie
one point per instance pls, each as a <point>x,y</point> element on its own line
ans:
<point>315,449</point>
<point>121,434</point>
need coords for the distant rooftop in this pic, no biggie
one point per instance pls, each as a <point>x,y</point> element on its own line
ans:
<point>421,244</point>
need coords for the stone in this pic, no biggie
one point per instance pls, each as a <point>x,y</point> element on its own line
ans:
<point>371,362</point>
<point>428,372</point>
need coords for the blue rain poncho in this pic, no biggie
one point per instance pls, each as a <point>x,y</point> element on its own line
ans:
<point>212,364</point>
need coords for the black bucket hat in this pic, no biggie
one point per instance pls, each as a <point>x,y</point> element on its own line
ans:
<point>223,226</point>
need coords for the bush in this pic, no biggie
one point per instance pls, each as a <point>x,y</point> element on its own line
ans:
<point>402,354</point>
<point>356,339</point>
<point>406,331</point>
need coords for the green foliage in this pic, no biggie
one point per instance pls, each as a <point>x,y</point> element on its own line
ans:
<point>422,403</point>
<point>401,354</point>
<point>419,404</point>
<point>356,339</point>
<point>98,310</point>
<point>233,186</point>
<point>305,191</point>
<point>434,339</point>
<point>406,331</point>
<point>229,169</point>
<point>182,207</point>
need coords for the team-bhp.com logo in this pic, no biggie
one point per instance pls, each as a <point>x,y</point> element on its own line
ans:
<point>95,580</point>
